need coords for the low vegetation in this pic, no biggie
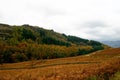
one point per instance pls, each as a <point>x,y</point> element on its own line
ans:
<point>116,76</point>
<point>100,65</point>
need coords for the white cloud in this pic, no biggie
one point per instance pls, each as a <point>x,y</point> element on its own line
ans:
<point>92,19</point>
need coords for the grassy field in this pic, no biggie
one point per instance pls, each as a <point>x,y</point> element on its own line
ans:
<point>100,65</point>
<point>116,76</point>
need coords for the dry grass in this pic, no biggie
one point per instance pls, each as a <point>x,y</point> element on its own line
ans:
<point>107,62</point>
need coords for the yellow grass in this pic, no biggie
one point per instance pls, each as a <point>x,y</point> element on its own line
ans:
<point>72,68</point>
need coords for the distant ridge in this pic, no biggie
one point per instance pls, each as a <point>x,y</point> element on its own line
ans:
<point>114,44</point>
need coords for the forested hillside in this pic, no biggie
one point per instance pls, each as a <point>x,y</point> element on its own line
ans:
<point>22,43</point>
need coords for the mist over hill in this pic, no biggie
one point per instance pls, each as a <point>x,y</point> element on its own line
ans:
<point>114,44</point>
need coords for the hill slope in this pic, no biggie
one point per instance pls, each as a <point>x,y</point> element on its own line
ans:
<point>100,65</point>
<point>40,35</point>
<point>21,43</point>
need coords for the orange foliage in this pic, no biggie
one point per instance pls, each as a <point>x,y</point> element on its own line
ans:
<point>72,68</point>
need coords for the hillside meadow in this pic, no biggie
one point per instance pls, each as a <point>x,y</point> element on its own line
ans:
<point>100,65</point>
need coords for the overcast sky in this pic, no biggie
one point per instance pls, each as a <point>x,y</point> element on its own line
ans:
<point>90,19</point>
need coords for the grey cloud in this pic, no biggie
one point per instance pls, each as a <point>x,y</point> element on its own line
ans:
<point>46,10</point>
<point>105,34</point>
<point>76,17</point>
<point>1,16</point>
<point>53,12</point>
<point>91,27</point>
<point>99,30</point>
<point>94,24</point>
